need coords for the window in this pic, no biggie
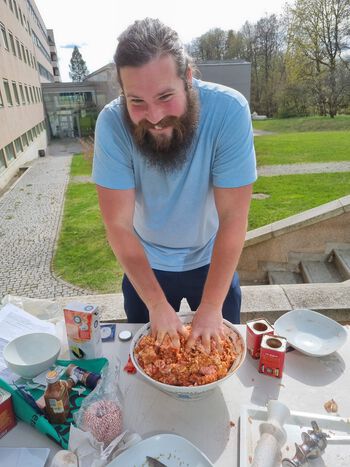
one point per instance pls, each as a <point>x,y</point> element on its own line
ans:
<point>12,42</point>
<point>4,36</point>
<point>22,93</point>
<point>1,100</point>
<point>20,15</point>
<point>18,145</point>
<point>2,161</point>
<point>24,140</point>
<point>31,94</point>
<point>10,152</point>
<point>15,92</point>
<point>15,7</point>
<point>25,22</point>
<point>27,93</point>
<point>30,136</point>
<point>8,92</point>
<point>11,5</point>
<point>23,53</point>
<point>28,60</point>
<point>18,49</point>
<point>34,131</point>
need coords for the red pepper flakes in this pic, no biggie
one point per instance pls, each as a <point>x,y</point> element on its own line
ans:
<point>129,367</point>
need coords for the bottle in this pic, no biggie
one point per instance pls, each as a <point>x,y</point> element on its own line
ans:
<point>87,378</point>
<point>56,398</point>
<point>71,382</point>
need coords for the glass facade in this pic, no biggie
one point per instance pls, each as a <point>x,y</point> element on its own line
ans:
<point>71,113</point>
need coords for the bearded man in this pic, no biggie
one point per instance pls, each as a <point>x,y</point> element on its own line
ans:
<point>174,165</point>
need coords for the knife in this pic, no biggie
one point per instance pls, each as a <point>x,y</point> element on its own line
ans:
<point>152,462</point>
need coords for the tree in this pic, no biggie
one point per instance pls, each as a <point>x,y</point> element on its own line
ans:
<point>263,49</point>
<point>319,29</point>
<point>77,66</point>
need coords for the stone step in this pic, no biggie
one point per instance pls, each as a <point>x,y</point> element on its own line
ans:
<point>341,259</point>
<point>284,277</point>
<point>319,272</point>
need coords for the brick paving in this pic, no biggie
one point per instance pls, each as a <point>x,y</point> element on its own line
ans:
<point>30,215</point>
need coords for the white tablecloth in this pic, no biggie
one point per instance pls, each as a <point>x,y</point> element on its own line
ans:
<point>212,423</point>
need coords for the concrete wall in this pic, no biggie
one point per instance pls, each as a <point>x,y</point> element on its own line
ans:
<point>309,232</point>
<point>234,75</point>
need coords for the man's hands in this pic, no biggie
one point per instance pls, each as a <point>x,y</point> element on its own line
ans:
<point>164,320</point>
<point>207,323</point>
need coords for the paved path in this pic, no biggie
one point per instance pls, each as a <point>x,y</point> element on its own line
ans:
<point>293,169</point>
<point>30,215</point>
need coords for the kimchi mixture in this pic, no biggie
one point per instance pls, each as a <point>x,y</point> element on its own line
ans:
<point>180,367</point>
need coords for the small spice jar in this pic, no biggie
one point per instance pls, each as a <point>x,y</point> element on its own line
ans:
<point>56,398</point>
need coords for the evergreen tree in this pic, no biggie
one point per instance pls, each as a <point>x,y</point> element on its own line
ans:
<point>77,66</point>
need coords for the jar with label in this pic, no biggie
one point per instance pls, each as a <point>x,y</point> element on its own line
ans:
<point>87,378</point>
<point>56,398</point>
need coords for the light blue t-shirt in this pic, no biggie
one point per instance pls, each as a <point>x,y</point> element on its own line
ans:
<point>175,215</point>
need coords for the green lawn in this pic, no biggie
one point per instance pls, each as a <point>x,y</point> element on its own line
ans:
<point>84,257</point>
<point>291,194</point>
<point>339,123</point>
<point>295,148</point>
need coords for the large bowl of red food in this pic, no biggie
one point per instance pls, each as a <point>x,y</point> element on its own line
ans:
<point>187,375</point>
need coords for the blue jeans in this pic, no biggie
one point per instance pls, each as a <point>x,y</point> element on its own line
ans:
<point>178,285</point>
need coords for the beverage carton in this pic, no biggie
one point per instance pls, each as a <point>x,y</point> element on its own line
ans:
<point>83,330</point>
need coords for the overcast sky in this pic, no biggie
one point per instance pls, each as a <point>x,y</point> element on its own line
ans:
<point>95,26</point>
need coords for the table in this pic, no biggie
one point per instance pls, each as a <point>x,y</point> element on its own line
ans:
<point>212,423</point>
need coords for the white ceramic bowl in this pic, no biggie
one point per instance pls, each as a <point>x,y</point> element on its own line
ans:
<point>31,354</point>
<point>185,392</point>
<point>310,332</point>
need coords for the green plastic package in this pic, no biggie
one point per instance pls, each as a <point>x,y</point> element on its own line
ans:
<point>25,412</point>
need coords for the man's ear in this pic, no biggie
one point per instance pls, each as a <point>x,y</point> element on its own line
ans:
<point>189,76</point>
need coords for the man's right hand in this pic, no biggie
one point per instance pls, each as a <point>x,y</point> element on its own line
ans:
<point>164,320</point>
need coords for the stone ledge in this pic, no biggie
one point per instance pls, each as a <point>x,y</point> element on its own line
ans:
<point>268,301</point>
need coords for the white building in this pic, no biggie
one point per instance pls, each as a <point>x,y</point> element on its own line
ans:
<point>25,63</point>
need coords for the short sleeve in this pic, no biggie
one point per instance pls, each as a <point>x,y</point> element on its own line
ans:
<point>112,163</point>
<point>234,162</point>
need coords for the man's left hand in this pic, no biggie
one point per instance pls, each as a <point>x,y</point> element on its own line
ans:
<point>207,324</point>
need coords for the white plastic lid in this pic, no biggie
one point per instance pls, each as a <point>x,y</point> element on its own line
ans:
<point>125,335</point>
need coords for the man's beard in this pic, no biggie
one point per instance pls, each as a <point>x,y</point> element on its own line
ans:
<point>161,151</point>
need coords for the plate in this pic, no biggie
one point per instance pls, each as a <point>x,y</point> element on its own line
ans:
<point>310,332</point>
<point>172,450</point>
<point>337,452</point>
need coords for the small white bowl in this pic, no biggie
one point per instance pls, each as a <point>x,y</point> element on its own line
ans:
<point>186,392</point>
<point>31,354</point>
<point>310,332</point>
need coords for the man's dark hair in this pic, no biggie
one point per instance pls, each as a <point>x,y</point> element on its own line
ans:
<point>147,39</point>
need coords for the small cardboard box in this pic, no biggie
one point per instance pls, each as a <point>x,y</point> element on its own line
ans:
<point>7,416</point>
<point>83,330</point>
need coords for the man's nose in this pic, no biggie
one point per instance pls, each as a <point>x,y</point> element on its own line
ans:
<point>154,114</point>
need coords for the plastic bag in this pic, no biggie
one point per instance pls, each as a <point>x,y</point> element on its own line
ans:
<point>101,411</point>
<point>42,309</point>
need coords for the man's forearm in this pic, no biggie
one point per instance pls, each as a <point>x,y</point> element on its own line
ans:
<point>130,253</point>
<point>226,252</point>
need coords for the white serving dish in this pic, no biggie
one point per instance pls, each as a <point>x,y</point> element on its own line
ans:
<point>171,450</point>
<point>337,453</point>
<point>310,332</point>
<point>185,392</point>
<point>31,354</point>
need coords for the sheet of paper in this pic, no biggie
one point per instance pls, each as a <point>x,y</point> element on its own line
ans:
<point>15,322</point>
